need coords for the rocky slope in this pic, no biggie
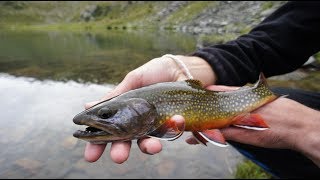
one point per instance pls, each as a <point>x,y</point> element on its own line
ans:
<point>203,17</point>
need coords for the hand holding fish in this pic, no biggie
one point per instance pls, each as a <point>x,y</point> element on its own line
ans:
<point>285,126</point>
<point>154,71</point>
<point>293,126</point>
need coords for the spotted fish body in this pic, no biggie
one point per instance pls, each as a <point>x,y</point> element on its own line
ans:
<point>205,109</point>
<point>146,112</point>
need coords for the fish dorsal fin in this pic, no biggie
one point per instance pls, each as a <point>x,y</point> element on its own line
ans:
<point>194,82</point>
<point>262,81</point>
<point>167,131</point>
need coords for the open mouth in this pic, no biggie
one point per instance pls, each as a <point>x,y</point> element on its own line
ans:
<point>90,132</point>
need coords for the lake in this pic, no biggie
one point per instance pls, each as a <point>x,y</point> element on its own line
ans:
<point>47,77</point>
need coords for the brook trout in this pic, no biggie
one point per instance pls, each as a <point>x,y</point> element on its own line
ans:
<point>146,111</point>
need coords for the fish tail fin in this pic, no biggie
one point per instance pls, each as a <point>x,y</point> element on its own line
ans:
<point>251,121</point>
<point>262,82</point>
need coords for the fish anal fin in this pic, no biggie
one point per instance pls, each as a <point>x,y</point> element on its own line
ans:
<point>167,131</point>
<point>214,136</point>
<point>250,121</point>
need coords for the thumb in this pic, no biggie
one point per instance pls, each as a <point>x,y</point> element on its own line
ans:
<point>131,81</point>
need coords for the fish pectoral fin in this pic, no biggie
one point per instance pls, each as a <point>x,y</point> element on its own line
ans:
<point>250,121</point>
<point>213,136</point>
<point>167,131</point>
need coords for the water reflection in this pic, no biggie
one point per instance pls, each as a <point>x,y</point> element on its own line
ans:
<point>85,57</point>
<point>36,139</point>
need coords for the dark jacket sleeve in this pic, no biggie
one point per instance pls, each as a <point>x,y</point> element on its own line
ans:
<point>281,43</point>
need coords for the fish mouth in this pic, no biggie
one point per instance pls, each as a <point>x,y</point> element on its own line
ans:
<point>94,131</point>
<point>90,132</point>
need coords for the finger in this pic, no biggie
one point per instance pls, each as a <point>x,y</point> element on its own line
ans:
<point>153,146</point>
<point>90,104</point>
<point>182,77</point>
<point>191,140</point>
<point>119,151</point>
<point>221,88</point>
<point>150,145</point>
<point>93,152</point>
<point>242,135</point>
<point>133,80</point>
<point>179,121</point>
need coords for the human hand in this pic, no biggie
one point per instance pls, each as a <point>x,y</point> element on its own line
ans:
<point>292,126</point>
<point>157,70</point>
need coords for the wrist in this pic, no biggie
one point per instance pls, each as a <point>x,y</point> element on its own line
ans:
<point>199,69</point>
<point>292,126</point>
<point>309,142</point>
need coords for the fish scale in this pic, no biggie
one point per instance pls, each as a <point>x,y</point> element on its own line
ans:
<point>204,107</point>
<point>147,111</point>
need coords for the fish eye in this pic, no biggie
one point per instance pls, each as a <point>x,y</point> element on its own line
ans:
<point>105,114</point>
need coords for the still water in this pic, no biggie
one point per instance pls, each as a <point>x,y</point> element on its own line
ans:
<point>45,79</point>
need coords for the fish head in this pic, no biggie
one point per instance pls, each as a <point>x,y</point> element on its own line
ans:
<point>116,120</point>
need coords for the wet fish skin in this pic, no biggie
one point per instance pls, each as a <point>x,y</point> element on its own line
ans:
<point>146,112</point>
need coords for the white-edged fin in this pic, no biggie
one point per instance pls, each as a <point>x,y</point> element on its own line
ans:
<point>167,131</point>
<point>250,127</point>
<point>250,121</point>
<point>214,136</point>
<point>167,137</point>
<point>199,138</point>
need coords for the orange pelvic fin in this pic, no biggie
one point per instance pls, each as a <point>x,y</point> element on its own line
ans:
<point>214,136</point>
<point>167,131</point>
<point>251,121</point>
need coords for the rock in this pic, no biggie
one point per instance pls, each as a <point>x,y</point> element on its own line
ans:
<point>311,65</point>
<point>292,76</point>
<point>214,18</point>
<point>88,13</point>
<point>223,23</point>
<point>30,165</point>
<point>69,142</point>
<point>172,7</point>
<point>267,12</point>
<point>310,61</point>
<point>166,168</point>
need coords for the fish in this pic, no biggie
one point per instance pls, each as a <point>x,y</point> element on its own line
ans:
<point>147,112</point>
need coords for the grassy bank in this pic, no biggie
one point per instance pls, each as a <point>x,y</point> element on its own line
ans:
<point>249,170</point>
